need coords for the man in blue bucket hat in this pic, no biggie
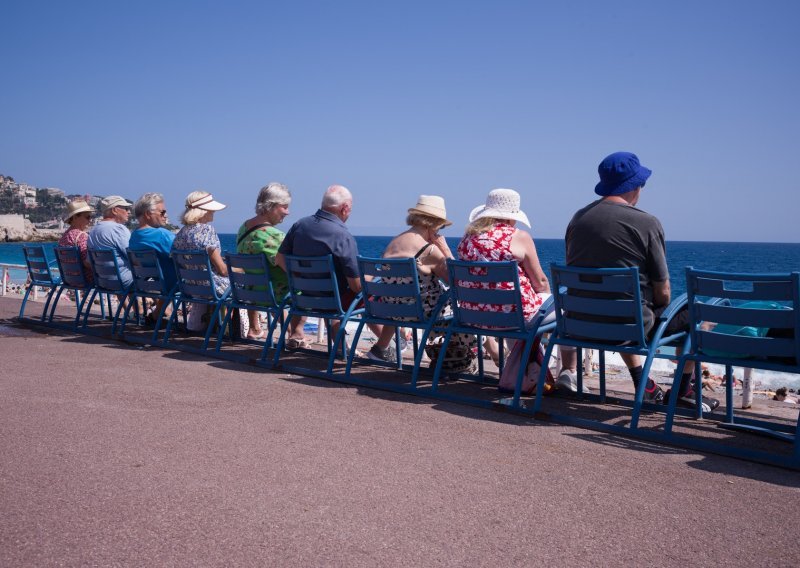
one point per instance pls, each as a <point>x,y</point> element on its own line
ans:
<point>613,233</point>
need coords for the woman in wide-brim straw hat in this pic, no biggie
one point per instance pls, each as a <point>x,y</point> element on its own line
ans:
<point>79,217</point>
<point>492,236</point>
<point>422,242</point>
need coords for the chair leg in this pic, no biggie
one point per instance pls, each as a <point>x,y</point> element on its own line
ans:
<point>352,353</point>
<point>440,360</point>
<point>537,405</point>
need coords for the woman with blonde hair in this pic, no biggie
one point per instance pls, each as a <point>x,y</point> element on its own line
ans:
<point>492,236</point>
<point>197,233</point>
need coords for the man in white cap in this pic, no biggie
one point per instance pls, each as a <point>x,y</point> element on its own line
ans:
<point>111,232</point>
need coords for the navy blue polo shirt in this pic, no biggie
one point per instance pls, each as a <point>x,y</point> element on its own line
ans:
<point>320,234</point>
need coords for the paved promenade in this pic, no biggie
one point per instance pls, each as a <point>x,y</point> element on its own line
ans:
<point>114,455</point>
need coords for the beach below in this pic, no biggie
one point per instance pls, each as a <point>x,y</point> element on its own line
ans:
<point>117,454</point>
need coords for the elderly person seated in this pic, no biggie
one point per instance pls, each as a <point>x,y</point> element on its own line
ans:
<point>150,234</point>
<point>111,232</point>
<point>259,235</point>
<point>79,217</point>
<point>197,233</point>
<point>428,248</point>
<point>492,236</point>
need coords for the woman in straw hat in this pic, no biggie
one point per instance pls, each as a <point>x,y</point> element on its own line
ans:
<point>423,242</point>
<point>79,217</point>
<point>492,236</point>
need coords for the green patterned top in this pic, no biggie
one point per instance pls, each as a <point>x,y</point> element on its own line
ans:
<point>265,240</point>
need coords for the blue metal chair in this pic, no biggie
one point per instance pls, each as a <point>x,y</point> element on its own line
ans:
<point>41,275</point>
<point>252,289</point>
<point>196,286</point>
<point>586,296</point>
<point>149,282</point>
<point>506,322</point>
<point>73,277</point>
<point>314,292</point>
<point>390,288</point>
<point>108,280</point>
<point>744,320</point>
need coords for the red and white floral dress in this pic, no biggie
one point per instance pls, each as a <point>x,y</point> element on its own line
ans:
<point>494,245</point>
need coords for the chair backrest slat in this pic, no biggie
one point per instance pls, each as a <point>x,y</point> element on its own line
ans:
<point>195,276</point>
<point>105,267</point>
<point>396,294</point>
<point>70,265</point>
<point>474,284</point>
<point>312,284</point>
<point>38,266</point>
<point>745,318</point>
<point>148,278</point>
<point>601,305</point>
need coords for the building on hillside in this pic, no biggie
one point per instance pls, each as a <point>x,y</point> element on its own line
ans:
<point>54,192</point>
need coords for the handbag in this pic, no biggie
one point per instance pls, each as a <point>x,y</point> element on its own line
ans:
<point>508,378</point>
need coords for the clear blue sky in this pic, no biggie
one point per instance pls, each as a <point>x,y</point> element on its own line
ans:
<point>394,99</point>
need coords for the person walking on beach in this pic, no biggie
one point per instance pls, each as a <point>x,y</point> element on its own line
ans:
<point>111,232</point>
<point>613,233</point>
<point>321,234</point>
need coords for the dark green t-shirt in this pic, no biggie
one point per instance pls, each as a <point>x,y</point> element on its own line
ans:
<point>606,234</point>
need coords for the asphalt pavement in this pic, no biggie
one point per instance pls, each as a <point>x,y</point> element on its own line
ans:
<point>118,455</point>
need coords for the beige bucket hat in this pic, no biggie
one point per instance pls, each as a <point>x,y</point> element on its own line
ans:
<point>432,206</point>
<point>75,207</point>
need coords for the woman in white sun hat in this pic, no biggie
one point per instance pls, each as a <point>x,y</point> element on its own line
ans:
<point>492,236</point>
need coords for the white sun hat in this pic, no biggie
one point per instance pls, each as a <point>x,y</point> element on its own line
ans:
<point>205,202</point>
<point>501,204</point>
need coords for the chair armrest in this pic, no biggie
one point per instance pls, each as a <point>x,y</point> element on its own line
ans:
<point>674,307</point>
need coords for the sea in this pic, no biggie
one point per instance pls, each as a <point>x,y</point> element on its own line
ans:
<point>722,256</point>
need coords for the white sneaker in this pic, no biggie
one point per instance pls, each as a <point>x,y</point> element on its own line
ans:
<point>568,380</point>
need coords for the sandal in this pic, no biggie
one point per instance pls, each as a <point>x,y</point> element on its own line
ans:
<point>292,344</point>
<point>257,335</point>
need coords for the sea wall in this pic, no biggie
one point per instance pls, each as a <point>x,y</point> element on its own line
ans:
<point>16,228</point>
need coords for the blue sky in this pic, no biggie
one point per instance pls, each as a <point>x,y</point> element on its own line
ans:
<point>394,99</point>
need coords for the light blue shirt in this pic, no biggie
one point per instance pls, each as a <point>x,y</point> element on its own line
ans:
<point>160,240</point>
<point>113,235</point>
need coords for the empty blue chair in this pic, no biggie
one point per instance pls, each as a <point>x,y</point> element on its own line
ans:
<point>584,297</point>
<point>41,274</point>
<point>252,289</point>
<point>506,322</point>
<point>196,286</point>
<point>149,282</point>
<point>314,292</point>
<point>747,320</point>
<point>390,288</point>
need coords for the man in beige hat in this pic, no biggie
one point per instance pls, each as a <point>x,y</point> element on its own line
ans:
<point>111,232</point>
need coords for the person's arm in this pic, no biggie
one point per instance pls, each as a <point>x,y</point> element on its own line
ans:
<point>354,284</point>
<point>522,244</point>
<point>217,263</point>
<point>661,293</point>
<point>280,261</point>
<point>439,254</point>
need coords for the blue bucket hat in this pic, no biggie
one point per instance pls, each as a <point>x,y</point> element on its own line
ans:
<point>620,173</point>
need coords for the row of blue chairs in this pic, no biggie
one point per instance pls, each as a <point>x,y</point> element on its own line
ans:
<point>720,307</point>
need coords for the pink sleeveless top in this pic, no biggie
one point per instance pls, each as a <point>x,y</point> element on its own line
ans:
<point>494,245</point>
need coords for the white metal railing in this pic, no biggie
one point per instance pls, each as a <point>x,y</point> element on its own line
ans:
<point>5,276</point>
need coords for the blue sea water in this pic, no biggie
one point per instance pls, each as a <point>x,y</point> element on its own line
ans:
<point>729,257</point>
